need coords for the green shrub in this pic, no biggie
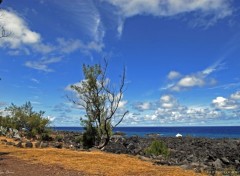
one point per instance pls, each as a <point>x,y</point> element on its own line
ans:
<point>59,138</point>
<point>23,117</point>
<point>78,139</point>
<point>89,136</point>
<point>46,137</point>
<point>157,148</point>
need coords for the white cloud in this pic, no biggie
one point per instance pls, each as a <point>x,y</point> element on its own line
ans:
<point>236,95</point>
<point>168,110</point>
<point>218,8</point>
<point>122,104</point>
<point>212,10</point>
<point>142,106</point>
<point>225,104</point>
<point>168,102</point>
<point>43,63</point>
<point>199,79</point>
<point>51,118</point>
<point>191,81</point>
<point>24,40</point>
<point>20,32</point>
<point>173,75</point>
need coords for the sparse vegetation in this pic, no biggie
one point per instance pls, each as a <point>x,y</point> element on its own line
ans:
<point>59,138</point>
<point>79,139</point>
<point>101,102</point>
<point>156,148</point>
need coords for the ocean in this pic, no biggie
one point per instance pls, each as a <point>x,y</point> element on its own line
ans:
<point>206,131</point>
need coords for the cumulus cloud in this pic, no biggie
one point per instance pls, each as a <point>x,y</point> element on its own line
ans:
<point>236,95</point>
<point>143,106</point>
<point>168,102</point>
<point>173,75</point>
<point>212,10</point>
<point>180,82</point>
<point>170,110</point>
<point>19,30</point>
<point>224,103</point>
<point>231,103</point>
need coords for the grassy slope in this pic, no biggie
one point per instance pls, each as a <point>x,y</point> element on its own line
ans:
<point>95,162</point>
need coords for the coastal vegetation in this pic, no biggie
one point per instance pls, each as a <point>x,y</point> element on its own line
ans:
<point>25,120</point>
<point>101,101</point>
<point>157,148</point>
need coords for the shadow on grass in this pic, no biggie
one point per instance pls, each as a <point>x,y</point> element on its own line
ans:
<point>4,153</point>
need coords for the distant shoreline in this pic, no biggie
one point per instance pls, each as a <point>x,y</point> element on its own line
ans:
<point>200,131</point>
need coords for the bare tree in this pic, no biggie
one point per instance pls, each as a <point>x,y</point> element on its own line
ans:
<point>101,100</point>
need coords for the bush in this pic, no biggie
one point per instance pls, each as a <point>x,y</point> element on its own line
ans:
<point>158,148</point>
<point>46,137</point>
<point>23,117</point>
<point>89,136</point>
<point>59,138</point>
<point>78,139</point>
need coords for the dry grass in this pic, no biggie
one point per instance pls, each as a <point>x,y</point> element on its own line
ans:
<point>94,162</point>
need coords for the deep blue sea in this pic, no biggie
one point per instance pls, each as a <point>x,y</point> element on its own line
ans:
<point>209,132</point>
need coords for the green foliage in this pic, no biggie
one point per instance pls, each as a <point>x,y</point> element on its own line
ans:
<point>78,139</point>
<point>59,138</point>
<point>45,136</point>
<point>89,136</point>
<point>157,148</point>
<point>100,101</point>
<point>24,117</point>
<point>7,122</point>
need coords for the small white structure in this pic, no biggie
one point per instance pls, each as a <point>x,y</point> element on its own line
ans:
<point>178,135</point>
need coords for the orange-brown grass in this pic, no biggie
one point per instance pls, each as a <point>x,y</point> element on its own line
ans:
<point>94,162</point>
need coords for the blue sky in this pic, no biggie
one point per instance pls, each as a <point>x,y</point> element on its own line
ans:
<point>182,57</point>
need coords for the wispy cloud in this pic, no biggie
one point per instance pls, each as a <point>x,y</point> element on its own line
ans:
<point>227,86</point>
<point>86,15</point>
<point>25,41</point>
<point>35,80</point>
<point>43,64</point>
<point>208,12</point>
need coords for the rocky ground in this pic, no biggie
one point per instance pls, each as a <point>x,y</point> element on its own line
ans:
<point>199,154</point>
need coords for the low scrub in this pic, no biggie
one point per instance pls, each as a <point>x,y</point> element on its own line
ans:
<point>157,148</point>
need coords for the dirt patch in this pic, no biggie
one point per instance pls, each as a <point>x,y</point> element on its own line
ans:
<point>10,165</point>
